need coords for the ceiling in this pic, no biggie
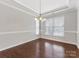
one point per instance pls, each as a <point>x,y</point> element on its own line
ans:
<point>32,7</point>
<point>46,5</point>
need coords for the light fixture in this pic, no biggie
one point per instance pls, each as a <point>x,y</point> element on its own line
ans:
<point>40,19</point>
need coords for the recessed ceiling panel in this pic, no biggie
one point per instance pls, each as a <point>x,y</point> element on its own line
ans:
<point>46,5</point>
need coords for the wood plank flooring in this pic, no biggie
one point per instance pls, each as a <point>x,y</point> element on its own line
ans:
<point>41,48</point>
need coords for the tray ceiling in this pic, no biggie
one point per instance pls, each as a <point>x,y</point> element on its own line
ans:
<point>47,5</point>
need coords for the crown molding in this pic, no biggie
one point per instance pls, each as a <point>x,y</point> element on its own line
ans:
<point>13,4</point>
<point>26,6</point>
<point>61,10</point>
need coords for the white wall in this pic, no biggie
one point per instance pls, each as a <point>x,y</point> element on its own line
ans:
<point>78,24</point>
<point>78,29</point>
<point>70,26</point>
<point>16,27</point>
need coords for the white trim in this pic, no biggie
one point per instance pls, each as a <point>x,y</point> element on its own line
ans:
<point>70,31</point>
<point>18,44</point>
<point>11,6</point>
<point>17,32</point>
<point>60,39</point>
<point>13,32</point>
<point>57,10</point>
<point>60,11</point>
<point>57,39</point>
<point>78,46</point>
<point>36,37</point>
<point>25,6</point>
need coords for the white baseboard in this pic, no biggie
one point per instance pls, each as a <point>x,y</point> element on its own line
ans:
<point>12,39</point>
<point>58,39</point>
<point>77,45</point>
<point>8,47</point>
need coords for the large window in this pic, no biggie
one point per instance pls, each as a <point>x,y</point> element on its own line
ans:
<point>55,26</point>
<point>37,27</point>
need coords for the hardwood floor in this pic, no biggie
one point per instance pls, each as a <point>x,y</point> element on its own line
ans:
<point>78,53</point>
<point>41,48</point>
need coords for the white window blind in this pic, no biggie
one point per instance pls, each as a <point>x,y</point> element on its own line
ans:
<point>55,26</point>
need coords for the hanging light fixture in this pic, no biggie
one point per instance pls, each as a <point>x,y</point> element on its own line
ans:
<point>40,19</point>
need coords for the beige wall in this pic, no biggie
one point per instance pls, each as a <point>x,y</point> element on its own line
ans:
<point>78,24</point>
<point>16,27</point>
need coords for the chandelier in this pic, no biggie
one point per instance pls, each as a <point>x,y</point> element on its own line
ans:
<point>40,17</point>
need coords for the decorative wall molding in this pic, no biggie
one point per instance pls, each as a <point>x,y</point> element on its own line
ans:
<point>17,38</point>
<point>26,6</point>
<point>71,32</point>
<point>58,39</point>
<point>14,32</point>
<point>19,9</point>
<point>8,47</point>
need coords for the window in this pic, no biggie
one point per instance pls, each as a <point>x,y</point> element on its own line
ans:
<point>37,27</point>
<point>55,26</point>
<point>49,27</point>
